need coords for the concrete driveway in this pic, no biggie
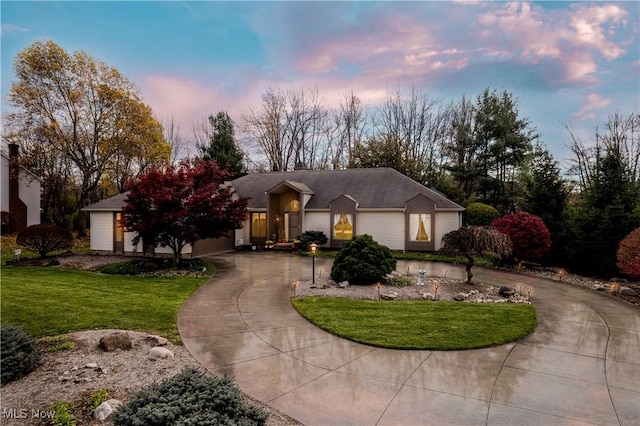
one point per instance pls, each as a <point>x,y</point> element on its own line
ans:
<point>580,366</point>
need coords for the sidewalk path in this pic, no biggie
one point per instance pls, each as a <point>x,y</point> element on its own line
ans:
<point>580,366</point>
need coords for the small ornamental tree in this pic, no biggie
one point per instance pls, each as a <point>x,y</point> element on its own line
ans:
<point>529,235</point>
<point>181,205</point>
<point>44,239</point>
<point>362,260</point>
<point>309,237</point>
<point>470,240</point>
<point>628,255</point>
<point>480,214</point>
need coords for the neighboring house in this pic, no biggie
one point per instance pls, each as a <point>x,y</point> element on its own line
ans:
<point>20,193</point>
<point>394,209</point>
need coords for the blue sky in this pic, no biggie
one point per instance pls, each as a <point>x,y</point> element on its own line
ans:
<point>571,62</point>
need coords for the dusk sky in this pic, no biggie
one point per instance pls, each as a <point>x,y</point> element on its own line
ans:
<point>572,62</point>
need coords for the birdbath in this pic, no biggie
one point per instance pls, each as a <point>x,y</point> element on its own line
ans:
<point>421,274</point>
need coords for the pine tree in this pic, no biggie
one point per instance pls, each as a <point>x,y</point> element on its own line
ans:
<point>222,145</point>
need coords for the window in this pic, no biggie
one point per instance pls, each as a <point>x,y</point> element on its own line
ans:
<point>419,227</point>
<point>343,228</point>
<point>259,225</point>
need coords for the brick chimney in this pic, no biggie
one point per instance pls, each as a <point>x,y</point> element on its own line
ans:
<point>17,208</point>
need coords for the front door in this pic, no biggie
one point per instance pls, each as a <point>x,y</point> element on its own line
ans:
<point>294,226</point>
<point>118,237</point>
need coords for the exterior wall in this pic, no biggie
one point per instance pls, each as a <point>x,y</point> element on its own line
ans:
<point>102,231</point>
<point>4,178</point>
<point>29,190</point>
<point>318,221</point>
<point>387,228</point>
<point>243,234</point>
<point>213,245</point>
<point>445,223</point>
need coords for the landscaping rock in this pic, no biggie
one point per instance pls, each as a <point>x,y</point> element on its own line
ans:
<point>154,340</point>
<point>160,352</point>
<point>428,296</point>
<point>114,341</point>
<point>343,284</point>
<point>506,291</point>
<point>459,297</point>
<point>392,295</point>
<point>106,409</point>
<point>627,291</point>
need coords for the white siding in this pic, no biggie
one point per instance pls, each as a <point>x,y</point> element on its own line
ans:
<point>29,190</point>
<point>243,234</point>
<point>128,243</point>
<point>318,221</point>
<point>167,250</point>
<point>445,223</point>
<point>387,228</point>
<point>102,231</point>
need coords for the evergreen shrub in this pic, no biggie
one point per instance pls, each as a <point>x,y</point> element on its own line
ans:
<point>18,353</point>
<point>309,237</point>
<point>480,214</point>
<point>362,260</point>
<point>44,239</point>
<point>189,398</point>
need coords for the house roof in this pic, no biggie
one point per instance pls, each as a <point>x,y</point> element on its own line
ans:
<point>114,203</point>
<point>381,188</point>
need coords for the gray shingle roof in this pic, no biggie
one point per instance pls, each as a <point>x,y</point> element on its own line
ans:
<point>381,188</point>
<point>114,203</point>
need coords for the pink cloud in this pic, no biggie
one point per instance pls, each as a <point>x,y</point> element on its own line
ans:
<point>593,101</point>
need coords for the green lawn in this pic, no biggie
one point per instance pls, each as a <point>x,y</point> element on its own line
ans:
<point>419,324</point>
<point>47,301</point>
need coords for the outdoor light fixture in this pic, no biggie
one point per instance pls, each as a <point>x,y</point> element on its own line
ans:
<point>295,285</point>
<point>529,293</point>
<point>314,249</point>
<point>436,286</point>
<point>379,296</point>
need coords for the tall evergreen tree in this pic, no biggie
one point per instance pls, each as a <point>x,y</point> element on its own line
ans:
<point>222,145</point>
<point>607,212</point>
<point>545,195</point>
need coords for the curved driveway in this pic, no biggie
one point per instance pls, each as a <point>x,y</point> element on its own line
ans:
<point>580,366</point>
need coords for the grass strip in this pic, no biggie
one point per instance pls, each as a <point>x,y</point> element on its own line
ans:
<point>47,301</point>
<point>419,324</point>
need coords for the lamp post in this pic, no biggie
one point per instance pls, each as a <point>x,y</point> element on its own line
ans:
<point>314,248</point>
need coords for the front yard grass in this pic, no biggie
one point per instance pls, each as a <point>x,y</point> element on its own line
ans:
<point>47,301</point>
<point>419,324</point>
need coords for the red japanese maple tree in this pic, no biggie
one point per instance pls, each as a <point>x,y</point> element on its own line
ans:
<point>628,255</point>
<point>529,235</point>
<point>176,206</point>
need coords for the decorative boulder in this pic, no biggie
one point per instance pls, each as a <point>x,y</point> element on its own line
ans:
<point>114,341</point>
<point>459,297</point>
<point>343,284</point>
<point>106,409</point>
<point>392,295</point>
<point>506,291</point>
<point>428,296</point>
<point>160,352</point>
<point>154,340</point>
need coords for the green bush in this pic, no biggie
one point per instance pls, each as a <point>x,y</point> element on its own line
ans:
<point>362,260</point>
<point>94,400</point>
<point>63,414</point>
<point>44,239</point>
<point>144,266</point>
<point>399,282</point>
<point>18,353</point>
<point>309,237</point>
<point>190,397</point>
<point>480,214</point>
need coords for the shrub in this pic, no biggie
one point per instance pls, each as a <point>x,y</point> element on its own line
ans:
<point>309,237</point>
<point>18,353</point>
<point>529,235</point>
<point>94,400</point>
<point>190,397</point>
<point>44,239</point>
<point>399,282</point>
<point>628,254</point>
<point>480,214</point>
<point>362,260</point>
<point>63,414</point>
<point>476,239</point>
